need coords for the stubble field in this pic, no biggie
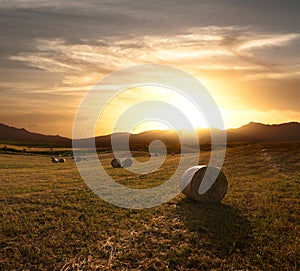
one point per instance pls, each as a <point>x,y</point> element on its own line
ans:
<point>50,220</point>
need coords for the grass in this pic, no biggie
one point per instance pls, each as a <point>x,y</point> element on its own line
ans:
<point>50,220</point>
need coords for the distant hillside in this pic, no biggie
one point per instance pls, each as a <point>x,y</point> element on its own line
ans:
<point>252,132</point>
<point>12,134</point>
<point>136,141</point>
<point>258,132</point>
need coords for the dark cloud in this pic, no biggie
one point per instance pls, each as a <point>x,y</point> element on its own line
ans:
<point>85,19</point>
<point>23,21</point>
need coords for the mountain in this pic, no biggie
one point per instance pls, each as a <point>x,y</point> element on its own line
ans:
<point>252,132</point>
<point>258,132</point>
<point>12,134</point>
<point>137,141</point>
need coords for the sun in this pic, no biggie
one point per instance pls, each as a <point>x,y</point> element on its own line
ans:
<point>138,121</point>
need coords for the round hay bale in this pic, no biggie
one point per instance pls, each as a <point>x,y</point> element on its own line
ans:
<point>61,160</point>
<point>54,160</point>
<point>115,163</point>
<point>198,186</point>
<point>127,162</point>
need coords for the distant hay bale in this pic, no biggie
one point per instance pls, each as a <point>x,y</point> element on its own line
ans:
<point>115,163</point>
<point>209,192</point>
<point>61,160</point>
<point>54,160</point>
<point>127,162</point>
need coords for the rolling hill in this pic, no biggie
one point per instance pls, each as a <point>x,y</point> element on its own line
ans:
<point>252,132</point>
<point>258,132</point>
<point>16,135</point>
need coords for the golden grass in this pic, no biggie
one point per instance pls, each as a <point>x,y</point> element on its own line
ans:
<point>50,220</point>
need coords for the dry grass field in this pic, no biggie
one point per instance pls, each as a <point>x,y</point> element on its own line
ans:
<point>50,220</point>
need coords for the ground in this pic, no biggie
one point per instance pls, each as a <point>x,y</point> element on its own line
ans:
<point>50,220</point>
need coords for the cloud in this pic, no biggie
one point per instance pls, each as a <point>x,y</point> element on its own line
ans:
<point>275,76</point>
<point>44,62</point>
<point>265,41</point>
<point>52,52</point>
<point>25,3</point>
<point>213,48</point>
<point>18,85</point>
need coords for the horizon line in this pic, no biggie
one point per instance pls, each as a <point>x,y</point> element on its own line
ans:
<point>156,130</point>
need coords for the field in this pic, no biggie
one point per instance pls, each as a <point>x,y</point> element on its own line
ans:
<point>50,220</point>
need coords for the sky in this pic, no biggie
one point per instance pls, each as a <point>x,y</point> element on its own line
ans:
<point>245,53</point>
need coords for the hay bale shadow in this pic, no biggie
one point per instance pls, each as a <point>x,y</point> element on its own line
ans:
<point>221,228</point>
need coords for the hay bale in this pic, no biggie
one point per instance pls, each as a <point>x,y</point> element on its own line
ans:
<point>127,162</point>
<point>54,160</point>
<point>61,160</point>
<point>115,163</point>
<point>193,177</point>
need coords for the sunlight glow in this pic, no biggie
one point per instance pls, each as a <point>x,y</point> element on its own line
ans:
<point>136,95</point>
